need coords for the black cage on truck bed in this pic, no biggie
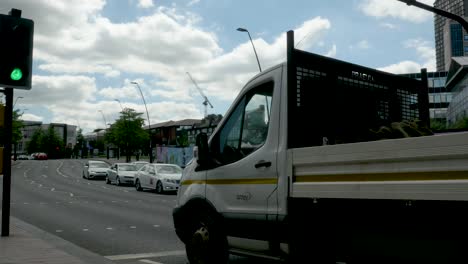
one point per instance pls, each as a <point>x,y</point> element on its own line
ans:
<point>333,102</point>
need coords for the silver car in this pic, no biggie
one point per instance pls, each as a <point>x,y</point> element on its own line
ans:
<point>94,169</point>
<point>159,177</point>
<point>121,173</point>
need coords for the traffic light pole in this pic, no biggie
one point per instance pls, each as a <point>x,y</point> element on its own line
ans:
<point>6,194</point>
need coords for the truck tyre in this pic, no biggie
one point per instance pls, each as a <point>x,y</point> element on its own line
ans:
<point>206,243</point>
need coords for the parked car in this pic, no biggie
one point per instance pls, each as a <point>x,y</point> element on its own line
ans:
<point>94,169</point>
<point>121,173</point>
<point>23,157</point>
<point>140,164</point>
<point>159,177</point>
<point>41,156</point>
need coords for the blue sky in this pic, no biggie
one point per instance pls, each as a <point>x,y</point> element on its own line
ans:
<point>87,53</point>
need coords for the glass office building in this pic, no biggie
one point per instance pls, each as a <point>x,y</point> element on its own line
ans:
<point>450,39</point>
<point>439,96</point>
<point>457,84</point>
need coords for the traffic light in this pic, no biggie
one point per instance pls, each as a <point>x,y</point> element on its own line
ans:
<point>16,45</point>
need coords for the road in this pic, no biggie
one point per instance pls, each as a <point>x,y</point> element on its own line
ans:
<point>126,226</point>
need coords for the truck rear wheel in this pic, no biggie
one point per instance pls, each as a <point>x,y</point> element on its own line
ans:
<point>206,243</point>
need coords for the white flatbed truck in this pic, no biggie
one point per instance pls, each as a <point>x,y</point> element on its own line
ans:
<point>293,172</point>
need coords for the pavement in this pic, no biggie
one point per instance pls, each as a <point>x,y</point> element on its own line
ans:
<point>29,244</point>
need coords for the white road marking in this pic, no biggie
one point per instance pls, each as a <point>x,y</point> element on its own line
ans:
<point>85,230</point>
<point>25,203</point>
<point>43,175</point>
<point>114,201</point>
<point>104,187</point>
<point>53,189</point>
<point>149,261</point>
<point>156,225</point>
<point>109,228</point>
<point>132,227</point>
<point>125,191</point>
<point>147,255</point>
<point>19,167</point>
<point>59,231</point>
<point>71,195</point>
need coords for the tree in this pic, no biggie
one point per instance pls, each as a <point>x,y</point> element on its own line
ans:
<point>80,144</point>
<point>17,125</point>
<point>211,119</point>
<point>460,124</point>
<point>48,142</point>
<point>127,132</point>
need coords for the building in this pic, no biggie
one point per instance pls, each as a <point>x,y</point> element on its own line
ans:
<point>450,38</point>
<point>67,134</point>
<point>439,96</point>
<point>457,84</point>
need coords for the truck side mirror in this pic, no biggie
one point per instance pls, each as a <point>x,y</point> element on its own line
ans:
<point>202,148</point>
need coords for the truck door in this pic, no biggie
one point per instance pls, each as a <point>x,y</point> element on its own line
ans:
<point>243,185</point>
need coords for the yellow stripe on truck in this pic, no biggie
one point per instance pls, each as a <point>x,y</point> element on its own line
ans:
<point>232,181</point>
<point>375,177</point>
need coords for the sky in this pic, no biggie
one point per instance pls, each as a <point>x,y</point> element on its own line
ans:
<point>87,53</point>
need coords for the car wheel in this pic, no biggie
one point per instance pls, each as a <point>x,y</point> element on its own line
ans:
<point>107,180</point>
<point>159,187</point>
<point>206,243</point>
<point>118,181</point>
<point>138,186</point>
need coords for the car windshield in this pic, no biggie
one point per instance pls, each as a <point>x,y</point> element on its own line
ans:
<point>127,167</point>
<point>139,165</point>
<point>169,169</point>
<point>98,165</point>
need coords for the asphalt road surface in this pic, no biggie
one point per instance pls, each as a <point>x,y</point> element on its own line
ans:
<point>120,223</point>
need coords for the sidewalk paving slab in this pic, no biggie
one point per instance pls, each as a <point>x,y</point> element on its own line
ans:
<point>29,244</point>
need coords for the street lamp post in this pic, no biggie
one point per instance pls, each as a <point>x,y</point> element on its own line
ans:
<point>126,129</point>
<point>245,30</point>
<point>16,100</point>
<point>149,123</point>
<point>104,118</point>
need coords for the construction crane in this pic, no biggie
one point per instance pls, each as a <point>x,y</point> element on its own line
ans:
<point>206,102</point>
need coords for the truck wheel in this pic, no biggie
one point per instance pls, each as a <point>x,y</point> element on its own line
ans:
<point>206,243</point>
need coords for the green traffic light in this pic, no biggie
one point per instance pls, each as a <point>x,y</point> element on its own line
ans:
<point>16,74</point>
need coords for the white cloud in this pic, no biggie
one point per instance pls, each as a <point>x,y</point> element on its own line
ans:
<point>402,67</point>
<point>145,3</point>
<point>362,45</point>
<point>388,25</point>
<point>31,117</point>
<point>331,52</point>
<point>76,45</point>
<point>193,2</point>
<point>425,51</point>
<point>396,9</point>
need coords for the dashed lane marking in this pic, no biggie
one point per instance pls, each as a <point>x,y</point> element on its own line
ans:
<point>156,225</point>
<point>149,261</point>
<point>43,175</point>
<point>132,227</point>
<point>147,255</point>
<point>59,231</point>
<point>85,230</point>
<point>110,228</point>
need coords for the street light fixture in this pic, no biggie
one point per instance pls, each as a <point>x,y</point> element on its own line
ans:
<point>245,30</point>
<point>117,100</point>
<point>19,97</point>
<point>149,123</point>
<point>104,118</point>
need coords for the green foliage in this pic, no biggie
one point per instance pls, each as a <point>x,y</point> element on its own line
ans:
<point>17,126</point>
<point>48,142</point>
<point>437,124</point>
<point>127,132</point>
<point>460,124</point>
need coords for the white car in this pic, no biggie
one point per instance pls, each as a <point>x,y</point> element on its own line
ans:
<point>95,169</point>
<point>140,164</point>
<point>159,177</point>
<point>121,173</point>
